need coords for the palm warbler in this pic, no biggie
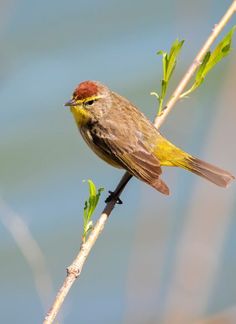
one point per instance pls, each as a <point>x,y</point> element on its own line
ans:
<point>122,136</point>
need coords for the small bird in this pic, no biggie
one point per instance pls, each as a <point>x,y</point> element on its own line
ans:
<point>123,136</point>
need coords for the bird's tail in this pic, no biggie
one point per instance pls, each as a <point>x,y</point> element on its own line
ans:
<point>206,170</point>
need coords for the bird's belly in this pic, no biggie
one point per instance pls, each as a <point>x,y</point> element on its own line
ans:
<point>98,150</point>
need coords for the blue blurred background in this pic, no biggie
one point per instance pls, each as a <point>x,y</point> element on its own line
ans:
<point>160,259</point>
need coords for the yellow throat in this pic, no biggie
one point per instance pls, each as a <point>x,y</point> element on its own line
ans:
<point>80,114</point>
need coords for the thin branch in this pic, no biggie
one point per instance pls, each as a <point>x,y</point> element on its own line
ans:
<point>193,67</point>
<point>75,268</point>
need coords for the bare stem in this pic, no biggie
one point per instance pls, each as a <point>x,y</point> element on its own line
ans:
<point>74,270</point>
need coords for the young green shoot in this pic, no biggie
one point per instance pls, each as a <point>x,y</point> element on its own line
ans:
<point>89,208</point>
<point>210,60</point>
<point>168,66</point>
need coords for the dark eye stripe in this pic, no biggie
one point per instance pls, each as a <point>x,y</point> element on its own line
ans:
<point>89,103</point>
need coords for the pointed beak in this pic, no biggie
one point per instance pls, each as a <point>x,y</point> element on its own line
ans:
<point>70,103</point>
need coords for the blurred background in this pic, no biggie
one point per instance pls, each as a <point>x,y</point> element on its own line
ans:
<point>160,259</point>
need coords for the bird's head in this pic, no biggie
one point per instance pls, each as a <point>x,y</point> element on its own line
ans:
<point>90,99</point>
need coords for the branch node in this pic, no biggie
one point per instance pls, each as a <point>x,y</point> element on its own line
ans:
<point>73,271</point>
<point>215,26</point>
<point>197,62</point>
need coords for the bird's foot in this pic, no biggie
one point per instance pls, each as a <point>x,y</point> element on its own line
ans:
<point>113,196</point>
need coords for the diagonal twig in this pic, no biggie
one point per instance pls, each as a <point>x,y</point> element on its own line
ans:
<point>74,270</point>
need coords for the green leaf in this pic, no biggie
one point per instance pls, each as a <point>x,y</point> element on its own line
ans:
<point>89,206</point>
<point>168,66</point>
<point>221,50</point>
<point>172,58</point>
<point>210,60</point>
<point>200,72</point>
<point>199,78</point>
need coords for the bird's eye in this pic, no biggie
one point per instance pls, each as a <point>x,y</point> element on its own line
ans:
<point>89,102</point>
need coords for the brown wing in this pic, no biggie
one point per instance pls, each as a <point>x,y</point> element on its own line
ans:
<point>132,155</point>
<point>146,167</point>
